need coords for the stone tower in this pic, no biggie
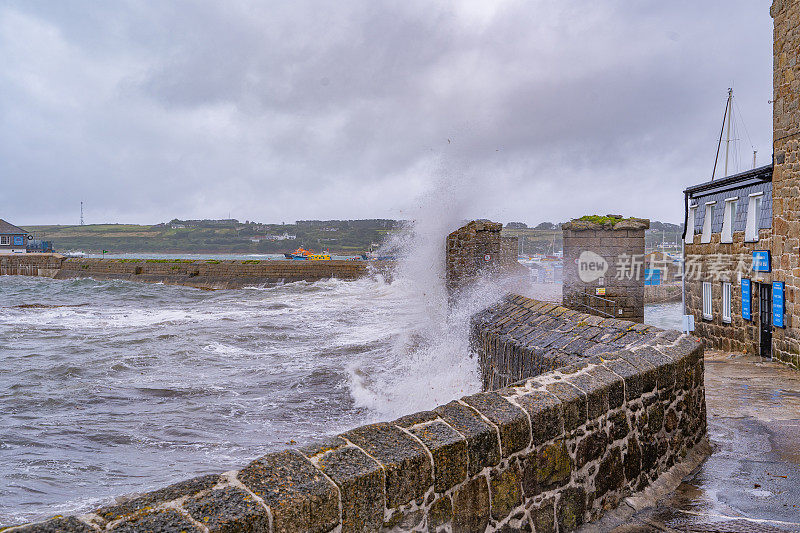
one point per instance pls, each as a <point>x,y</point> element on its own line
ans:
<point>604,266</point>
<point>478,249</point>
<point>786,172</point>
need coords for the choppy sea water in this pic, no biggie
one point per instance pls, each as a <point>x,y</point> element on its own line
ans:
<point>109,387</point>
<point>665,315</point>
<point>113,387</point>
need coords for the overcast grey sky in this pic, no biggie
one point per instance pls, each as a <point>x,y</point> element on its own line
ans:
<point>277,111</point>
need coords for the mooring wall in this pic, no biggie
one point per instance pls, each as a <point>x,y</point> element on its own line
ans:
<point>546,453</point>
<point>46,265</point>
<point>209,273</point>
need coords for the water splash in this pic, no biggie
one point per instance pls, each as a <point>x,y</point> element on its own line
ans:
<point>429,362</point>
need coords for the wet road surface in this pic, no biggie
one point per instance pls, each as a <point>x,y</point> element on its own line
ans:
<point>751,482</point>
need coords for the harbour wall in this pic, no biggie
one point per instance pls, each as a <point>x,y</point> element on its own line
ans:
<point>578,413</point>
<point>667,292</point>
<point>206,273</point>
<point>223,274</point>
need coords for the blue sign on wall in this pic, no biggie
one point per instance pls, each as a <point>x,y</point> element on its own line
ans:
<point>761,262</point>
<point>746,299</point>
<point>652,276</point>
<point>19,240</point>
<point>777,303</point>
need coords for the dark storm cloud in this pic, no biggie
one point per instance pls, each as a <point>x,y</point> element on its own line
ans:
<point>278,111</point>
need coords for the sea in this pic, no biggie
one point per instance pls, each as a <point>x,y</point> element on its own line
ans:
<point>110,388</point>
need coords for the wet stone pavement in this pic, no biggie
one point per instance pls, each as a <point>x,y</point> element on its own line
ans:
<point>751,482</point>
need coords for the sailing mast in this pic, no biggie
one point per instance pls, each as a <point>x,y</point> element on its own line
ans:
<point>726,116</point>
<point>728,132</point>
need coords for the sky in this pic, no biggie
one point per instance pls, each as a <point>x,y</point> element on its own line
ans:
<point>279,111</point>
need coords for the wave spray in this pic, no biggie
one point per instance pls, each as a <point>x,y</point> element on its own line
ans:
<point>429,362</point>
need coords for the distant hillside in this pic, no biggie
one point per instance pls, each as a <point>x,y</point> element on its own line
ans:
<point>232,236</point>
<point>546,236</point>
<point>218,236</point>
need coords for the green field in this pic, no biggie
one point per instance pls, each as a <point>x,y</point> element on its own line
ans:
<point>345,237</point>
<point>240,238</point>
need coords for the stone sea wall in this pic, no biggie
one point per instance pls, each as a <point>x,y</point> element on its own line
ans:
<point>667,292</point>
<point>601,409</point>
<point>46,265</point>
<point>208,274</point>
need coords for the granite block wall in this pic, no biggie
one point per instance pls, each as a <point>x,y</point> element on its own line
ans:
<point>546,453</point>
<point>478,249</point>
<point>208,274</point>
<point>619,243</point>
<point>30,264</point>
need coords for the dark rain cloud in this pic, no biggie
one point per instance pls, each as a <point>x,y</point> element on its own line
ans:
<point>281,111</point>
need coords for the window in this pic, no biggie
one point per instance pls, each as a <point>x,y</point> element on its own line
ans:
<point>753,216</point>
<point>689,239</point>
<point>728,220</point>
<point>709,216</point>
<point>707,300</point>
<point>726,303</point>
<point>5,239</point>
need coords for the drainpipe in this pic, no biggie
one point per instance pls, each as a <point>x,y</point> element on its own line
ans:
<point>683,277</point>
<point>683,252</point>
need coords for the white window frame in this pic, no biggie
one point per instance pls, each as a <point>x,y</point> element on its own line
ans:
<point>708,218</point>
<point>728,220</point>
<point>689,239</point>
<point>5,240</point>
<point>753,216</point>
<point>708,313</point>
<point>726,302</point>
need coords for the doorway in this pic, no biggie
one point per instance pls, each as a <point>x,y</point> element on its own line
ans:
<point>765,319</point>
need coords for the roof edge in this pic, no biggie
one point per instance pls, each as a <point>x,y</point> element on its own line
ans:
<point>761,173</point>
<point>7,227</point>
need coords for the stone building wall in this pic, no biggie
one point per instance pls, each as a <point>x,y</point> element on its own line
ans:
<point>717,262</point>
<point>786,174</point>
<point>546,454</point>
<point>623,282</point>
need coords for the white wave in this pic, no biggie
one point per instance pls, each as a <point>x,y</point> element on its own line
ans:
<point>429,362</point>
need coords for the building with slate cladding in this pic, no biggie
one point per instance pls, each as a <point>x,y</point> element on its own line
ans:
<point>728,221</point>
<point>742,236</point>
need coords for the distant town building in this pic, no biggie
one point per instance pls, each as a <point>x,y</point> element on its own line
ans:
<point>12,238</point>
<point>660,268</point>
<point>284,237</point>
<point>742,235</point>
